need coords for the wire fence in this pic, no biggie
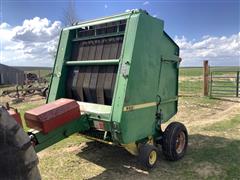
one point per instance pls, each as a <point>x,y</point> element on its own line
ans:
<point>224,83</point>
<point>191,79</point>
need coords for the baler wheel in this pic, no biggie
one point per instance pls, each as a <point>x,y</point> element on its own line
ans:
<point>175,141</point>
<point>148,155</point>
<point>18,159</point>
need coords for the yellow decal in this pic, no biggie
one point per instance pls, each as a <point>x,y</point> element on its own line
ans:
<point>138,106</point>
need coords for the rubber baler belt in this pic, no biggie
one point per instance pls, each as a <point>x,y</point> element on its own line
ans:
<point>94,83</point>
<point>104,48</point>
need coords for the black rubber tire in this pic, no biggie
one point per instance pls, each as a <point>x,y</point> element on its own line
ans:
<point>170,139</point>
<point>144,153</point>
<point>18,159</point>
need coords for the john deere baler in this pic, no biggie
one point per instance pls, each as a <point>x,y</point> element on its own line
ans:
<point>122,72</point>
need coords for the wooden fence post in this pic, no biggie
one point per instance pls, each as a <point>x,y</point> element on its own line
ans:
<point>237,83</point>
<point>205,78</point>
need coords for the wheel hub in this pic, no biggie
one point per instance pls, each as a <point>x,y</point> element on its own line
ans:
<point>152,157</point>
<point>180,143</point>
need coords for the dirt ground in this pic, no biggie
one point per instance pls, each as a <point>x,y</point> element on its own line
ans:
<point>213,152</point>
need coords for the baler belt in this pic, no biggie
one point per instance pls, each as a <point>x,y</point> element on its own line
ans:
<point>92,50</point>
<point>108,84</point>
<point>99,50</point>
<point>76,50</point>
<point>110,74</point>
<point>101,75</point>
<point>80,51</point>
<point>114,80</point>
<point>69,82</point>
<point>74,84</point>
<point>104,48</point>
<point>100,83</point>
<point>81,76</point>
<point>114,48</point>
<point>85,51</point>
<point>86,83</point>
<point>95,83</point>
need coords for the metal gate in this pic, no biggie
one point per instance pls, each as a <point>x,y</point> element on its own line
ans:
<point>224,84</point>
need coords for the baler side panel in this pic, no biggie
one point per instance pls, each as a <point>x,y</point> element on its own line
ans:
<point>125,60</point>
<point>143,81</point>
<point>57,87</point>
<point>168,80</point>
<point>167,91</point>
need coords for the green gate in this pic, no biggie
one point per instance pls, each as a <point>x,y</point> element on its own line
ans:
<point>224,83</point>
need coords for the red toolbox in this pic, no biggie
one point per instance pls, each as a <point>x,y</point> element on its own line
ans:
<point>16,115</point>
<point>52,115</point>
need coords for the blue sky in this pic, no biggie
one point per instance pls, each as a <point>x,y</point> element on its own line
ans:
<point>190,23</point>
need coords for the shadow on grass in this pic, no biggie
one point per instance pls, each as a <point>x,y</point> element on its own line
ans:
<point>207,157</point>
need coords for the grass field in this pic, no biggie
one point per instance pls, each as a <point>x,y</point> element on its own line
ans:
<point>198,71</point>
<point>213,152</point>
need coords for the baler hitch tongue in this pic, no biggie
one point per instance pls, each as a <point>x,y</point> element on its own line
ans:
<point>53,115</point>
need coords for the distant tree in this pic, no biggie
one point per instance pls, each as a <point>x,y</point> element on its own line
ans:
<point>70,14</point>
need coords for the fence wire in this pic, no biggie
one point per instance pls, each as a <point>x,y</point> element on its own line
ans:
<point>224,83</point>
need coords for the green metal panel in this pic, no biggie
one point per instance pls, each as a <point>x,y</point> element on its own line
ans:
<point>143,79</point>
<point>58,81</point>
<point>149,68</point>
<point>122,78</point>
